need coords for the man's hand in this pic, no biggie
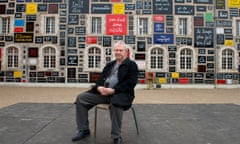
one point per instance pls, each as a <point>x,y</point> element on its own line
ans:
<point>105,91</point>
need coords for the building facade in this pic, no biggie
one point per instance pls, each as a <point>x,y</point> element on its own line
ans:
<point>69,41</point>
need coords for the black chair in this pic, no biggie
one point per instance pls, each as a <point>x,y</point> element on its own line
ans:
<point>107,107</point>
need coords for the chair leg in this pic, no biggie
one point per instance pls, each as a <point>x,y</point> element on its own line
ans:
<point>95,122</point>
<point>135,119</point>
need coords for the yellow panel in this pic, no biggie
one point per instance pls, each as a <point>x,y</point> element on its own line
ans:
<point>31,8</point>
<point>228,43</point>
<point>175,75</point>
<point>234,3</point>
<point>118,9</point>
<point>162,80</point>
<point>17,74</point>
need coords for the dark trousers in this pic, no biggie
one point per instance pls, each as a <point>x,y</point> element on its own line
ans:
<point>85,101</point>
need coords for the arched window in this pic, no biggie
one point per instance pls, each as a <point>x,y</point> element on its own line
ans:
<point>49,57</point>
<point>227,59</point>
<point>156,59</point>
<point>12,57</point>
<point>186,57</point>
<point>94,57</point>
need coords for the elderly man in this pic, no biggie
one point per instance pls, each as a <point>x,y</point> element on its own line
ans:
<point>115,86</point>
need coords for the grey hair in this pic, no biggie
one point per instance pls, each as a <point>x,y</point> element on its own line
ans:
<point>120,43</point>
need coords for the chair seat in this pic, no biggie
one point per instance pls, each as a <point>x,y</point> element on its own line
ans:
<point>103,106</point>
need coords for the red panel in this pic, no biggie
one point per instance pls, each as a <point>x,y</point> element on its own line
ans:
<point>91,40</point>
<point>18,29</point>
<point>116,24</point>
<point>115,0</point>
<point>142,81</point>
<point>158,18</point>
<point>221,81</point>
<point>183,80</point>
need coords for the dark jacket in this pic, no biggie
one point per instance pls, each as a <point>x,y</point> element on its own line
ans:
<point>127,80</point>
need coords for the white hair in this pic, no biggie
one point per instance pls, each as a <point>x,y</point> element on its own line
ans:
<point>121,43</point>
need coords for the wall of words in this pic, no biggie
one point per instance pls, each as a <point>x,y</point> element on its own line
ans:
<point>178,41</point>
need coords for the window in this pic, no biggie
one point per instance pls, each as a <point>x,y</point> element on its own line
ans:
<point>12,57</point>
<point>94,57</point>
<point>96,25</point>
<point>186,57</point>
<point>143,26</point>
<point>156,59</point>
<point>49,57</point>
<point>4,25</point>
<point>238,27</point>
<point>183,26</point>
<point>50,25</point>
<point>227,59</point>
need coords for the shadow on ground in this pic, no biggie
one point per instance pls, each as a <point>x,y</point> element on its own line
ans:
<point>51,123</point>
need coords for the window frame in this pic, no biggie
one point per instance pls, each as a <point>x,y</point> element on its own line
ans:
<point>44,27</point>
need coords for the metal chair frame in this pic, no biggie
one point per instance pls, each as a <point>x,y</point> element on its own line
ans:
<point>107,107</point>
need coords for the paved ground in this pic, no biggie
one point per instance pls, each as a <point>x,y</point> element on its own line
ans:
<point>41,115</point>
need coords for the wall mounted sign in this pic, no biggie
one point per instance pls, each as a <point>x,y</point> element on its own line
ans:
<point>162,6</point>
<point>172,48</point>
<point>32,52</point>
<point>38,39</point>
<point>220,4</point>
<point>107,41</point>
<point>163,39</point>
<point>158,18</point>
<point>53,8</point>
<point>81,39</point>
<point>31,17</point>
<point>184,10</point>
<point>42,7</point>
<point>234,12</point>
<point>118,8</point>
<point>224,23</point>
<point>29,26</point>
<point>2,9</point>
<point>78,6</point>
<point>72,42</point>
<point>201,8</point>
<point>233,3</point>
<point>169,30</point>
<point>23,37</point>
<point>101,8</point>
<point>19,22</point>
<point>18,29</point>
<point>18,15</point>
<point>198,21</point>
<point>20,7</point>
<point>73,19</point>
<point>80,30</point>
<point>71,73</point>
<point>72,60</point>
<point>141,46</point>
<point>203,1</point>
<point>10,11</point>
<point>203,37</point>
<point>129,6</point>
<point>91,40</point>
<point>139,56</point>
<point>158,27</point>
<point>223,14</point>
<point>116,24</point>
<point>130,39</point>
<point>31,8</point>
